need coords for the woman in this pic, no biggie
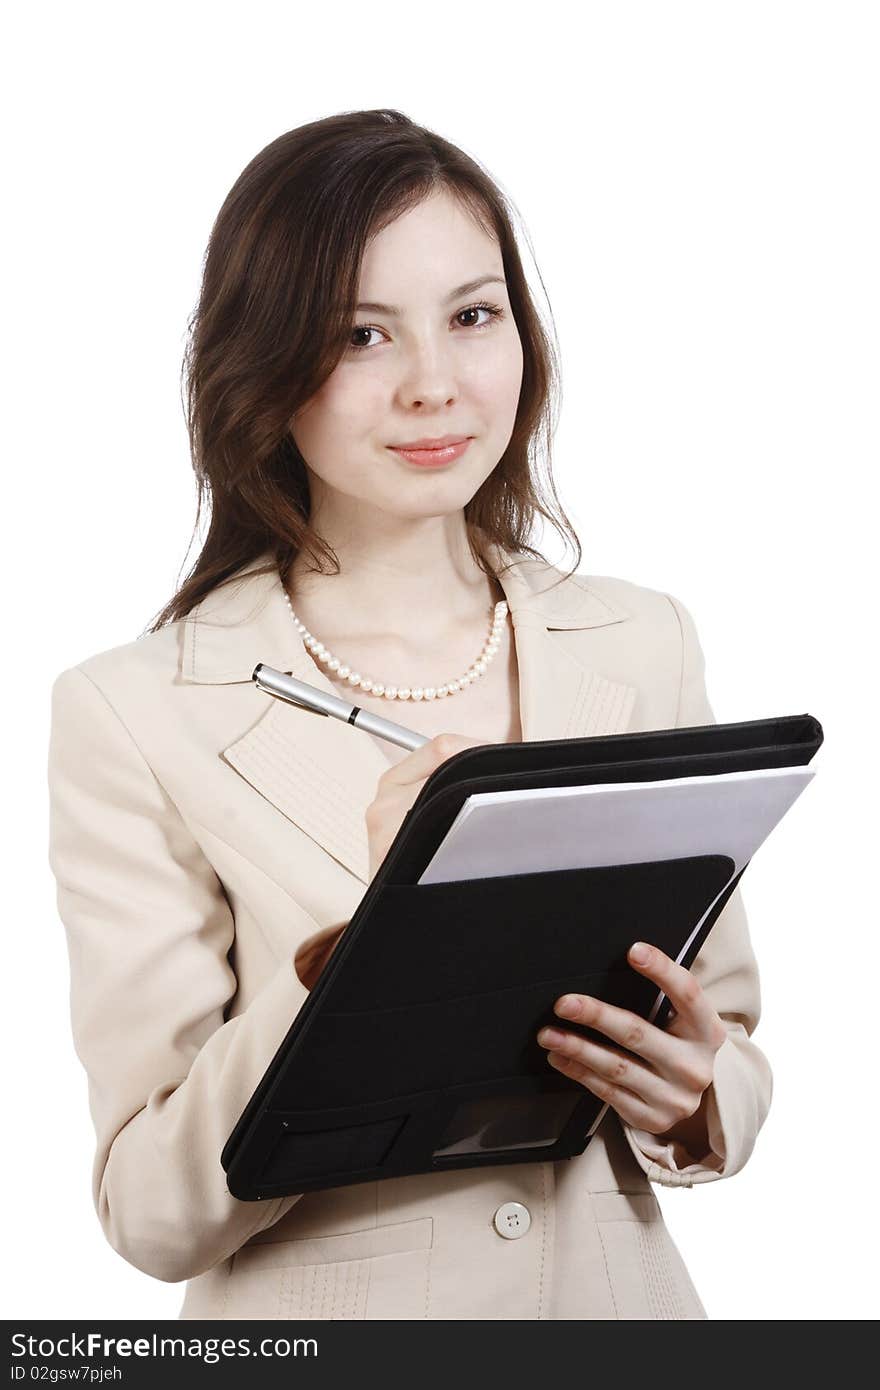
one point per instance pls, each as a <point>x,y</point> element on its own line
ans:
<point>363,292</point>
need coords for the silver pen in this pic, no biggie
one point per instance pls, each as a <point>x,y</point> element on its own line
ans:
<point>321,702</point>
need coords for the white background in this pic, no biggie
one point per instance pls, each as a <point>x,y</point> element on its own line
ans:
<point>699,185</point>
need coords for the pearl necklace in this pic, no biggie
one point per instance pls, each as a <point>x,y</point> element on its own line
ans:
<point>392,692</point>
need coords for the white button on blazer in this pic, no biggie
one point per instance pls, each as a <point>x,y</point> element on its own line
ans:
<point>201,832</point>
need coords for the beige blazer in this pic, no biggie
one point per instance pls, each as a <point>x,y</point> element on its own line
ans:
<point>202,831</point>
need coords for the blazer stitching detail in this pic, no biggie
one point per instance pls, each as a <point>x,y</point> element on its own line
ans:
<point>428,1269</point>
<point>225,1304</point>
<point>681,672</point>
<point>543,1241</point>
<point>576,712</point>
<point>607,709</point>
<point>608,1278</point>
<point>660,1285</point>
<point>325,808</point>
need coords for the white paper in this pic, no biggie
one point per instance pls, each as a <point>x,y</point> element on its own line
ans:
<point>511,832</point>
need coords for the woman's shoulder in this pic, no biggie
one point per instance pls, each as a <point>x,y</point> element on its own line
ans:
<point>145,662</point>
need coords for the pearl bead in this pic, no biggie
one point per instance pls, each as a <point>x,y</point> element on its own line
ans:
<point>391,692</point>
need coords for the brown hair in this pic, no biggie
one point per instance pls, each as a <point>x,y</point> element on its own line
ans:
<point>275,314</point>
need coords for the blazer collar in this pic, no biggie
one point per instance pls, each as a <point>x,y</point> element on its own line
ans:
<point>320,772</point>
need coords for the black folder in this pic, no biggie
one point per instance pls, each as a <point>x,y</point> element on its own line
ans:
<point>416,1051</point>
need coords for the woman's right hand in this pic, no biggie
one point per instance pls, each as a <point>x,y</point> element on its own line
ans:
<point>398,789</point>
<point>401,784</point>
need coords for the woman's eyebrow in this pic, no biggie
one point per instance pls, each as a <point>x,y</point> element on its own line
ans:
<point>467,288</point>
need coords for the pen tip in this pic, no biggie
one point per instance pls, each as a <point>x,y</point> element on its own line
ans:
<point>257,668</point>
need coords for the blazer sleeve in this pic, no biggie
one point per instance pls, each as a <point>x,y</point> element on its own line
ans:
<point>148,929</point>
<point>738,1100</point>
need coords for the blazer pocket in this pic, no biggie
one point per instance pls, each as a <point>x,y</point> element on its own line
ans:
<point>647,1276</point>
<point>329,1277</point>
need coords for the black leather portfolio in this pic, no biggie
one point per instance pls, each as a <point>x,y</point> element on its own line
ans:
<point>416,1051</point>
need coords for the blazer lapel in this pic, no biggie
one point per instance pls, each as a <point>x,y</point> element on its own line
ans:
<point>322,773</point>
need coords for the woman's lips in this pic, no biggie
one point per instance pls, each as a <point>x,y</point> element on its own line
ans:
<point>433,458</point>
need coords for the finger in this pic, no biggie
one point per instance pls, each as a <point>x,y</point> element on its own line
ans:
<point>611,1065</point>
<point>623,1026</point>
<point>696,1015</point>
<point>628,1106</point>
<point>421,762</point>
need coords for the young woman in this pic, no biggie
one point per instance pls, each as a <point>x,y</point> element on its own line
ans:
<point>368,379</point>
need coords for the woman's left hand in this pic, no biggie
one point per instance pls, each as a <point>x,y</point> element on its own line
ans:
<point>665,1089</point>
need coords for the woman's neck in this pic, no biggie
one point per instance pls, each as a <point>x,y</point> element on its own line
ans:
<point>414,616</point>
<point>423,586</point>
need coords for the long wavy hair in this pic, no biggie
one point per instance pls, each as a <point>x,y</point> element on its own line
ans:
<point>274,316</point>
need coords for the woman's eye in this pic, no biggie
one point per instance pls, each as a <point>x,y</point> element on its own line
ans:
<point>362,328</point>
<point>492,310</point>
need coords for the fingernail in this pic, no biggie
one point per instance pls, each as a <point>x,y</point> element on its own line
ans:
<point>567,1006</point>
<point>639,953</point>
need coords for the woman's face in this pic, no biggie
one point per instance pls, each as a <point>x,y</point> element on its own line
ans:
<point>438,366</point>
